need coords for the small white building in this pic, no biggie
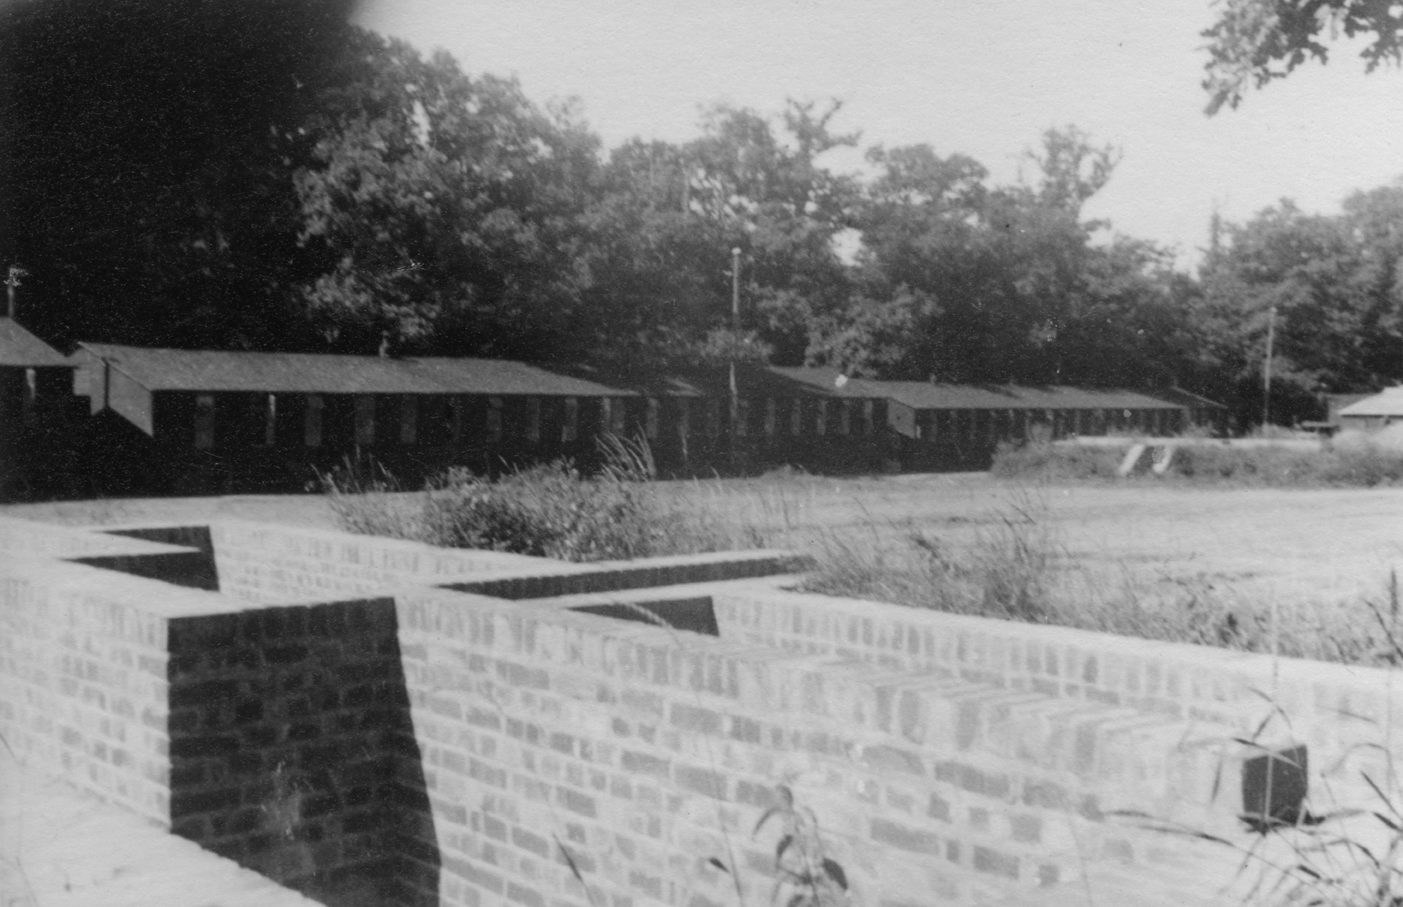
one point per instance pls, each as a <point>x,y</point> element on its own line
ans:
<point>1374,412</point>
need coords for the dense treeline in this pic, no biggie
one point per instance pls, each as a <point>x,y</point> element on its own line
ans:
<point>269,178</point>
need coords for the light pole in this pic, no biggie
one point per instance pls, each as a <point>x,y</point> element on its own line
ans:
<point>12,280</point>
<point>1266,370</point>
<point>735,340</point>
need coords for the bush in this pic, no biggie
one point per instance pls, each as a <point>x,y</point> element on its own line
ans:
<point>550,510</point>
<point>545,511</point>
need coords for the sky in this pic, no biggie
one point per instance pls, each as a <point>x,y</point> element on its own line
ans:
<point>983,78</point>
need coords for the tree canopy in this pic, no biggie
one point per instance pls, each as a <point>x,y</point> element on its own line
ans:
<point>1253,42</point>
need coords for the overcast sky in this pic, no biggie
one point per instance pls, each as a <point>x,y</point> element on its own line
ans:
<point>979,77</point>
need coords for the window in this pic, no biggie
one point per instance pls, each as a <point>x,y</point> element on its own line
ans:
<point>455,419</point>
<point>570,426</point>
<point>742,417</point>
<point>270,420</point>
<point>684,418</point>
<point>866,426</point>
<point>408,419</point>
<point>312,421</point>
<point>494,419</point>
<point>770,417</point>
<point>845,416</point>
<point>30,394</point>
<point>650,419</point>
<point>713,417</point>
<point>796,416</point>
<point>533,420</point>
<point>365,420</point>
<point>204,421</point>
<point>821,417</point>
<point>618,415</point>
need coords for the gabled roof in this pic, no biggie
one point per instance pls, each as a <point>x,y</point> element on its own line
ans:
<point>312,373</point>
<point>21,349</point>
<point>832,382</point>
<point>1387,403</point>
<point>924,395</point>
<point>1180,397</point>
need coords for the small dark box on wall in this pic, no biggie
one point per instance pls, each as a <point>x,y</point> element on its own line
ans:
<point>1274,789</point>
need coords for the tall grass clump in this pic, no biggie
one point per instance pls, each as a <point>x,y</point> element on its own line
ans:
<point>547,510</point>
<point>1007,570</point>
<point>366,499</point>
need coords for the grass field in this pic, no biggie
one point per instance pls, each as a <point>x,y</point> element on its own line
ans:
<point>1318,552</point>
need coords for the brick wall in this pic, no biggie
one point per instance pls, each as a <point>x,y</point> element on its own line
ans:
<point>1339,711</point>
<point>83,687</point>
<point>478,750</point>
<point>545,730</point>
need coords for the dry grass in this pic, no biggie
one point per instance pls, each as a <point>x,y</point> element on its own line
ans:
<point>1016,565</point>
<point>1361,465</point>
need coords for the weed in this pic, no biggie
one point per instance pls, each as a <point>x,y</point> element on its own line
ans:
<point>366,499</point>
<point>1347,857</point>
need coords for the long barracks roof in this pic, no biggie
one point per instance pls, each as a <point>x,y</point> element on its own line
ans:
<point>925,395</point>
<point>21,349</point>
<point>311,373</point>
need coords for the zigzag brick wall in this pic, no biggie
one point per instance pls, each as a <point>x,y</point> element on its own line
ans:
<point>461,749</point>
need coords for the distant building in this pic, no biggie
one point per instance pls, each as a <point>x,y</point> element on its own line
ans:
<point>216,420</point>
<point>1334,403</point>
<point>1374,412</point>
<point>1200,412</point>
<point>162,421</point>
<point>35,390</point>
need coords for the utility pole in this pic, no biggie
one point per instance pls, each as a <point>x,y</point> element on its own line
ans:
<point>12,280</point>
<point>735,340</point>
<point>1266,370</point>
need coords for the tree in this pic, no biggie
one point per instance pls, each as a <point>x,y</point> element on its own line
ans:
<point>659,235</point>
<point>1333,282</point>
<point>1256,41</point>
<point>145,164</point>
<point>445,210</point>
<point>959,281</point>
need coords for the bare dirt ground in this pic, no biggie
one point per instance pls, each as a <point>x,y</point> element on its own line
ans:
<point>1304,545</point>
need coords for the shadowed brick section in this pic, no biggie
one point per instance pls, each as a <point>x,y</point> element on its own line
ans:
<point>194,569</point>
<point>691,614</point>
<point>198,571</point>
<point>642,574</point>
<point>292,750</point>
